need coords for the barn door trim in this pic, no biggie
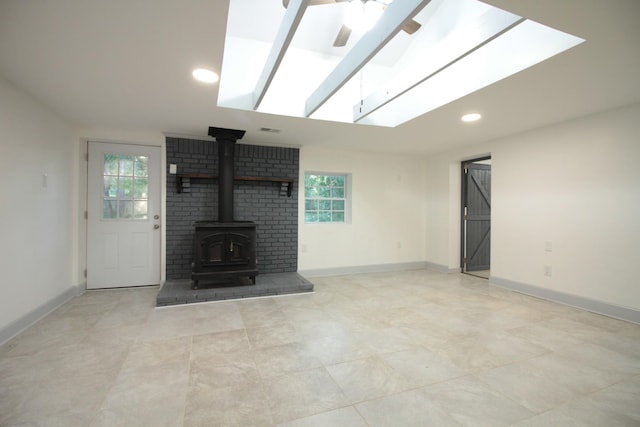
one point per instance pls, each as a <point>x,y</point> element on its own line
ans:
<point>463,214</point>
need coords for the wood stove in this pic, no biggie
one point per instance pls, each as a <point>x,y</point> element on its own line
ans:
<point>224,249</point>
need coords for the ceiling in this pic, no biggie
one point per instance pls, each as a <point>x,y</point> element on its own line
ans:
<point>127,65</point>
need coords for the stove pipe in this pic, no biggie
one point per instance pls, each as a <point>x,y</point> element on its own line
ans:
<point>226,139</point>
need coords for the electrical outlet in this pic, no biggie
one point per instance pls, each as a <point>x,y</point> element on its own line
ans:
<point>399,244</point>
<point>548,246</point>
<point>548,271</point>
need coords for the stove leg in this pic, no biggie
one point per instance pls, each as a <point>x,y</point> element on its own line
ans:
<point>194,284</point>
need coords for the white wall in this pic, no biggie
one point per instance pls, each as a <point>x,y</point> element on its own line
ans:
<point>388,208</point>
<point>575,185</point>
<point>36,233</point>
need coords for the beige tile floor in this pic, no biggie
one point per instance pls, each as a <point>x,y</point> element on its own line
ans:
<point>413,348</point>
<point>480,273</point>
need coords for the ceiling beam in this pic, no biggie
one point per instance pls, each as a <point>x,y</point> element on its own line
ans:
<point>491,25</point>
<point>288,26</point>
<point>389,24</point>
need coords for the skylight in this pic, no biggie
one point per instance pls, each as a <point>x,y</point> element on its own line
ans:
<point>460,47</point>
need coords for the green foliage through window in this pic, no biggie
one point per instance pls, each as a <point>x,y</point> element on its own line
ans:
<point>324,198</point>
<point>125,189</point>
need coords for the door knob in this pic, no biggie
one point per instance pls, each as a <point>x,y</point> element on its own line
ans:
<point>156,226</point>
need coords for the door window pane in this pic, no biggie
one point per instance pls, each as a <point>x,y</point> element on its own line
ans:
<point>111,164</point>
<point>126,166</point>
<point>125,209</point>
<point>125,187</point>
<point>140,209</point>
<point>110,186</point>
<point>110,209</point>
<point>141,166</point>
<point>140,188</point>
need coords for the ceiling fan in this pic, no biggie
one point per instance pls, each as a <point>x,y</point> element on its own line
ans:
<point>409,27</point>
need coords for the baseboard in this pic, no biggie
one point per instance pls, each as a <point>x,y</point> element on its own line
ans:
<point>22,323</point>
<point>611,310</point>
<point>442,268</point>
<point>360,269</point>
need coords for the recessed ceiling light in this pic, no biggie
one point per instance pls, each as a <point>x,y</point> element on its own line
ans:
<point>471,117</point>
<point>204,75</point>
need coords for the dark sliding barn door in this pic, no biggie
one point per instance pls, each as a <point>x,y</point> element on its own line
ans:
<point>477,216</point>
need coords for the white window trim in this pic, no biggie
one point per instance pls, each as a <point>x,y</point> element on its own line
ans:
<point>347,196</point>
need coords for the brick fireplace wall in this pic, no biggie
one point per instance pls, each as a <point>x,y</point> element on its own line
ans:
<point>275,214</point>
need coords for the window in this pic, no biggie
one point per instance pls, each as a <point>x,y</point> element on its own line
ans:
<point>125,187</point>
<point>326,198</point>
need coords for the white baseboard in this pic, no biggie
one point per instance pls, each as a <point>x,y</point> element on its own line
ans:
<point>442,268</point>
<point>360,269</point>
<point>378,268</point>
<point>604,308</point>
<point>22,323</point>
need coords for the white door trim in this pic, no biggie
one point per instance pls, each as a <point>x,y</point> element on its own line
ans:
<point>85,197</point>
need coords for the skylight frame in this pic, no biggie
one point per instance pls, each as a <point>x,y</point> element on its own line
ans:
<point>398,93</point>
<point>524,44</point>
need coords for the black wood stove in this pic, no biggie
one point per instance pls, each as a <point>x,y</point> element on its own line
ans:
<point>224,250</point>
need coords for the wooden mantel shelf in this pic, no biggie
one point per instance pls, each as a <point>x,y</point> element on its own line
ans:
<point>183,178</point>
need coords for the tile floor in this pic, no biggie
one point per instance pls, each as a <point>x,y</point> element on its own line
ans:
<point>485,274</point>
<point>414,348</point>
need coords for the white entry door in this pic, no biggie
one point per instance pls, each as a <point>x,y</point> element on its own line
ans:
<point>123,215</point>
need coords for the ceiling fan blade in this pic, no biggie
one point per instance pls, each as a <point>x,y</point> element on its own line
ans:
<point>285,3</point>
<point>411,27</point>
<point>343,36</point>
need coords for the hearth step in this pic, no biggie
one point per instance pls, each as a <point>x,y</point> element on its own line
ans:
<point>177,292</point>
